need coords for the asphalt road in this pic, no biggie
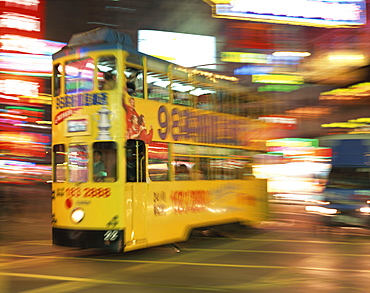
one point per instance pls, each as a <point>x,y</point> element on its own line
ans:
<point>288,253</point>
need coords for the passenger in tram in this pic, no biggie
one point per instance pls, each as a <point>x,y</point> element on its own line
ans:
<point>109,81</point>
<point>182,172</point>
<point>99,167</point>
<point>131,88</point>
<point>131,81</point>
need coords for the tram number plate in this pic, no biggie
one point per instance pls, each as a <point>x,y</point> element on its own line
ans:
<point>111,235</point>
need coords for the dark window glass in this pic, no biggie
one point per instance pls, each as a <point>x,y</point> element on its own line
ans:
<point>60,163</point>
<point>158,165</point>
<point>57,75</point>
<point>107,73</point>
<point>104,162</point>
<point>77,163</point>
<point>79,76</point>
<point>135,161</point>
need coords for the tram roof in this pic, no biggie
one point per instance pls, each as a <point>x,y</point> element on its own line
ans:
<point>98,36</point>
<point>106,38</point>
<point>97,39</point>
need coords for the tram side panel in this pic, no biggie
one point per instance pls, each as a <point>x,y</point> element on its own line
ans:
<point>174,209</point>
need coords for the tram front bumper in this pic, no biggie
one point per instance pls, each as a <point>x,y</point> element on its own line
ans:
<point>111,240</point>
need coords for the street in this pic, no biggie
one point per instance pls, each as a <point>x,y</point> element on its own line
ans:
<point>288,253</point>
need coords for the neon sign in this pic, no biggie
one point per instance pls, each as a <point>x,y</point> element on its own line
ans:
<point>251,70</point>
<point>19,87</point>
<point>325,13</point>
<point>29,3</point>
<point>277,78</point>
<point>25,62</point>
<point>23,44</point>
<point>20,21</point>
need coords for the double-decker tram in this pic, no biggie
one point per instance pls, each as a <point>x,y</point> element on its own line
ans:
<point>144,151</point>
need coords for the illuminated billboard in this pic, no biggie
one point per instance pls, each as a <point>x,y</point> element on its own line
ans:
<point>321,13</point>
<point>183,49</point>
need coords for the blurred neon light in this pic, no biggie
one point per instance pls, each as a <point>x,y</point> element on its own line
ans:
<point>40,99</point>
<point>20,21</point>
<point>257,58</point>
<point>342,125</point>
<point>209,75</point>
<point>183,49</point>
<point>9,97</point>
<point>353,123</point>
<point>365,120</point>
<point>346,57</point>
<point>278,79</point>
<point>240,57</point>
<point>292,54</point>
<point>25,62</point>
<point>278,88</point>
<point>26,73</point>
<point>11,121</point>
<point>312,112</point>
<point>277,119</point>
<point>293,142</point>
<point>29,45</point>
<point>353,92</point>
<point>43,122</point>
<point>325,13</point>
<point>19,87</point>
<point>23,2</point>
<point>25,108</point>
<point>252,69</point>
<point>13,116</point>
<point>33,126</point>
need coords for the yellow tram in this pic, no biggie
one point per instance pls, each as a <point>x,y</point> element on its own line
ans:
<point>144,150</point>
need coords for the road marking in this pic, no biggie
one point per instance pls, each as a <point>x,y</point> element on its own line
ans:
<point>96,281</point>
<point>177,263</point>
<point>275,252</point>
<point>301,241</point>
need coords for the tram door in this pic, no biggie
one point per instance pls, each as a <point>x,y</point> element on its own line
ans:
<point>137,191</point>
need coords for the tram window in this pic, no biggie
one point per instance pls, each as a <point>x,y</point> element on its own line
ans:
<point>135,82</point>
<point>79,76</point>
<point>181,95</point>
<point>158,161</point>
<point>204,101</point>
<point>223,169</point>
<point>60,163</point>
<point>57,78</point>
<point>135,161</point>
<point>200,170</point>
<point>104,158</point>
<point>158,87</point>
<point>107,72</point>
<point>215,168</point>
<point>183,167</point>
<point>77,163</point>
<point>230,168</point>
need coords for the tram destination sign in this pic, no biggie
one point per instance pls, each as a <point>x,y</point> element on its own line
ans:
<point>320,13</point>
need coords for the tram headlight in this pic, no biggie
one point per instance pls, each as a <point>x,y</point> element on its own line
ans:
<point>77,215</point>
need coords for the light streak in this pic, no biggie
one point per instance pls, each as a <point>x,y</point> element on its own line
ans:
<point>20,21</point>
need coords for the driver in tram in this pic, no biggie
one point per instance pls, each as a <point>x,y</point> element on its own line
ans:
<point>99,167</point>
